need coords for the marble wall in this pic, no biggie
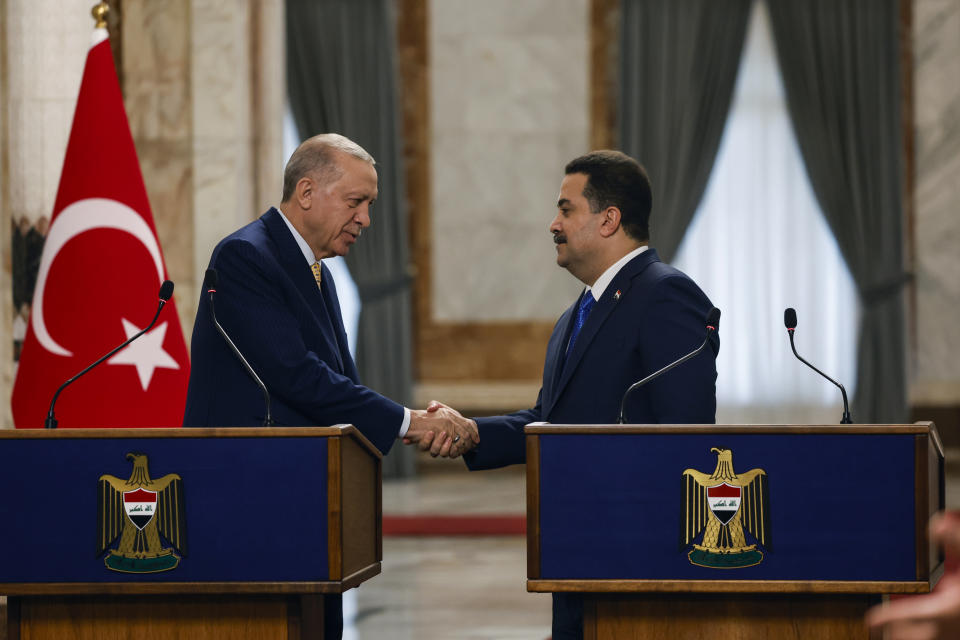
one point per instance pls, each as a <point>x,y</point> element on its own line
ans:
<point>509,107</point>
<point>204,88</point>
<point>44,44</point>
<point>158,98</point>
<point>936,46</point>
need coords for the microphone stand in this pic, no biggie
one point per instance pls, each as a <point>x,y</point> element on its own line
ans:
<point>51,421</point>
<point>846,407</point>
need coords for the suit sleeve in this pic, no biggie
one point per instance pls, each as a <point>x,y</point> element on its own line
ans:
<point>674,325</point>
<point>263,324</point>
<point>502,441</point>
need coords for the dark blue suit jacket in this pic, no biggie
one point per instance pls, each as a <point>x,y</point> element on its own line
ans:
<point>658,316</point>
<point>292,334</point>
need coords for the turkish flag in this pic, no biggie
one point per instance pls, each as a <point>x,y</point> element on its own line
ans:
<point>98,282</point>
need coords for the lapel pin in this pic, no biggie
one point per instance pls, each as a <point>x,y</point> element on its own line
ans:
<point>616,296</point>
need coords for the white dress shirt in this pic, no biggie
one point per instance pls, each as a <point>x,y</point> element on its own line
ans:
<point>607,276</point>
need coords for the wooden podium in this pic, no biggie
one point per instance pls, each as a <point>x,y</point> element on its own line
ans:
<point>731,531</point>
<point>184,533</point>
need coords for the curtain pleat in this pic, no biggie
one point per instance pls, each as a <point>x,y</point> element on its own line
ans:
<point>678,67</point>
<point>841,69</point>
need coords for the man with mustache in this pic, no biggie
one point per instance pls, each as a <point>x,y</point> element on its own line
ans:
<point>278,303</point>
<point>635,315</point>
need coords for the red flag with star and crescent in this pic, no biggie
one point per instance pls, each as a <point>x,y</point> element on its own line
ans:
<point>98,282</point>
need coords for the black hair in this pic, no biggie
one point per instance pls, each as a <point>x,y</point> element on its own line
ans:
<point>614,179</point>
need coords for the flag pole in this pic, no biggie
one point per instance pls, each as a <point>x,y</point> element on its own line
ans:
<point>99,13</point>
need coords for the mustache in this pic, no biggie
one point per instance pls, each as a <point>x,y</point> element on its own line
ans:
<point>559,238</point>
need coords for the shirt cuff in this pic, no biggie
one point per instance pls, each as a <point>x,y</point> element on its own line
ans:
<point>405,424</point>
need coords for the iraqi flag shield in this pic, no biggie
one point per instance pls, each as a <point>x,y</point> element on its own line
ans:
<point>724,500</point>
<point>140,505</point>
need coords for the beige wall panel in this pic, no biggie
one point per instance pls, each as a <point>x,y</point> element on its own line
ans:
<point>268,97</point>
<point>190,69</point>
<point>509,107</point>
<point>157,97</point>
<point>238,92</point>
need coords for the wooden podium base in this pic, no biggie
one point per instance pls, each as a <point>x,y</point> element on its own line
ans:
<point>729,616</point>
<point>166,617</point>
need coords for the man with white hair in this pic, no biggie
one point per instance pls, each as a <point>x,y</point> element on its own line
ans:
<point>278,303</point>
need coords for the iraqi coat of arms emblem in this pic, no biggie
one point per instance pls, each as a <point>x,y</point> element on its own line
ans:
<point>138,511</point>
<point>722,506</point>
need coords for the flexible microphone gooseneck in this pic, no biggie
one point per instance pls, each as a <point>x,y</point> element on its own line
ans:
<point>210,286</point>
<point>790,322</point>
<point>166,290</point>
<point>713,321</point>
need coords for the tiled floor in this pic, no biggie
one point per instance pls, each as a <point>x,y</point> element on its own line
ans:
<point>459,587</point>
<point>446,487</point>
<point>449,588</point>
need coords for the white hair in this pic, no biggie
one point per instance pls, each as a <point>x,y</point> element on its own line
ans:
<point>318,155</point>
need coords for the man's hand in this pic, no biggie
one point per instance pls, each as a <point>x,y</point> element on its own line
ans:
<point>933,616</point>
<point>442,431</point>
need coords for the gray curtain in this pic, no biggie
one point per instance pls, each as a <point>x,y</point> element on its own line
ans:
<point>678,67</point>
<point>342,78</point>
<point>841,69</point>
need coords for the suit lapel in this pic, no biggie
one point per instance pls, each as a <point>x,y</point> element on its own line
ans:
<point>553,363</point>
<point>591,328</point>
<point>299,272</point>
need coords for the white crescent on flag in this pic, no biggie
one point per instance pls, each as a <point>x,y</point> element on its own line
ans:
<point>76,218</point>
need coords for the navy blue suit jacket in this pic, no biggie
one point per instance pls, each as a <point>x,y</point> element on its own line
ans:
<point>648,316</point>
<point>292,334</point>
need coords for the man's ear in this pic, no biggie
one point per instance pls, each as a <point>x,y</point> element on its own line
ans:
<point>611,221</point>
<point>304,192</point>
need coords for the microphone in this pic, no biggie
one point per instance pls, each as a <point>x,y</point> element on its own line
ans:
<point>166,290</point>
<point>210,286</point>
<point>790,322</point>
<point>713,321</point>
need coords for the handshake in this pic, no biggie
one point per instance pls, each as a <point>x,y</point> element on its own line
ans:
<point>442,431</point>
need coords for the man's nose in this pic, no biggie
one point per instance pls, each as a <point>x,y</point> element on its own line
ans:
<point>555,226</point>
<point>363,215</point>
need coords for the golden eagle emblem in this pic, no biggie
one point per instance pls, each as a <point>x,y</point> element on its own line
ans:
<point>138,511</point>
<point>722,505</point>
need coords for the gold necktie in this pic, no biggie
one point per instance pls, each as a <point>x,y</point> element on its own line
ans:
<point>315,267</point>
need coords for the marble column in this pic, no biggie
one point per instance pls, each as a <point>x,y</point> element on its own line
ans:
<point>205,90</point>
<point>43,46</point>
<point>936,376</point>
<point>158,97</point>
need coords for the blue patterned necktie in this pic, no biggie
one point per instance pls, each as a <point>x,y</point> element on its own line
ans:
<point>583,310</point>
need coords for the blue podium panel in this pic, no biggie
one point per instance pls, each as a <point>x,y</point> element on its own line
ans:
<point>838,506</point>
<point>254,509</point>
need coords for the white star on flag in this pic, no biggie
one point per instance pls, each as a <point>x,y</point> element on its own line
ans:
<point>145,353</point>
